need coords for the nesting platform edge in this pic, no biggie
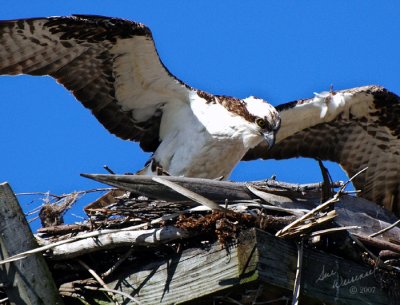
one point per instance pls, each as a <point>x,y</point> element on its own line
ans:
<point>258,257</point>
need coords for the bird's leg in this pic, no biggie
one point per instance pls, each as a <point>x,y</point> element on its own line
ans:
<point>158,169</point>
<point>161,172</point>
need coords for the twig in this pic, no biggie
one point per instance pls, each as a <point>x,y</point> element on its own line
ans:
<point>34,211</point>
<point>333,230</point>
<point>39,193</point>
<point>74,295</point>
<point>352,192</point>
<point>121,238</point>
<point>386,254</point>
<point>301,228</point>
<point>98,279</point>
<point>65,229</point>
<point>351,179</point>
<point>126,295</point>
<point>189,194</point>
<point>295,187</point>
<point>378,262</point>
<point>75,238</point>
<point>308,215</point>
<point>385,229</point>
<point>65,195</point>
<point>320,207</point>
<point>377,243</point>
<point>297,280</point>
<point>258,293</point>
<point>361,245</point>
<point>326,189</point>
<point>33,219</point>
<point>117,264</point>
<point>297,212</point>
<point>108,169</point>
<point>63,202</point>
<point>272,199</point>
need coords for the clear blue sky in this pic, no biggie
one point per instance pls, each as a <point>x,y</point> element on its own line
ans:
<point>277,50</point>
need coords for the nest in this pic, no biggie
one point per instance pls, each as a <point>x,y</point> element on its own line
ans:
<point>147,219</point>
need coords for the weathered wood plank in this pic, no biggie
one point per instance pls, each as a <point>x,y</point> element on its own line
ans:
<point>258,257</point>
<point>325,277</point>
<point>145,186</point>
<point>28,281</point>
<point>190,275</point>
<point>114,239</point>
<point>350,210</point>
<point>212,189</point>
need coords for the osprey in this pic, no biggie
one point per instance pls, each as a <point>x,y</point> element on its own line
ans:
<point>112,67</point>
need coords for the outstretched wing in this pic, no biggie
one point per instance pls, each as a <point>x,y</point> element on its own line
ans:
<point>357,128</point>
<point>110,65</point>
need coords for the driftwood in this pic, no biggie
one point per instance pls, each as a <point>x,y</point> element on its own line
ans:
<point>351,211</point>
<point>170,239</point>
<point>106,241</point>
<point>377,243</point>
<point>29,282</point>
<point>347,205</point>
<point>257,258</point>
<point>212,189</point>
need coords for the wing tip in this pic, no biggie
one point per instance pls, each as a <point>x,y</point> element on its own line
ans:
<point>377,91</point>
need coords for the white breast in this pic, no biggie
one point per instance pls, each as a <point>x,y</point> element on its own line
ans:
<point>202,140</point>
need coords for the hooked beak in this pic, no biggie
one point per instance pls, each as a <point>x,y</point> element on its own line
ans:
<point>269,137</point>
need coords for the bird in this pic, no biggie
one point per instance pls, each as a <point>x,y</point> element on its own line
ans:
<point>112,67</point>
<point>358,128</point>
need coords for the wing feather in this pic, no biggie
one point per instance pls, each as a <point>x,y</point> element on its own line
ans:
<point>360,129</point>
<point>109,64</point>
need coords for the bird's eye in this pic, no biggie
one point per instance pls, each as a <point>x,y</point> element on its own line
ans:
<point>261,122</point>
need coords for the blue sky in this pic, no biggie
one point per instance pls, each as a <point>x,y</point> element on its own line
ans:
<point>277,50</point>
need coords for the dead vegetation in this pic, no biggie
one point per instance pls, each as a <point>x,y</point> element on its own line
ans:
<point>149,219</point>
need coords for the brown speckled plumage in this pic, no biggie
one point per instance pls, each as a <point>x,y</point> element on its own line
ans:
<point>355,143</point>
<point>112,67</point>
<point>88,55</point>
<point>233,104</point>
<point>76,51</point>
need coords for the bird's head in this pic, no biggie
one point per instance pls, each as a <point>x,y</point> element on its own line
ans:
<point>264,120</point>
<point>250,120</point>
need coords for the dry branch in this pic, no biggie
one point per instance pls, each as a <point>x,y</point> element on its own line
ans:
<point>97,234</point>
<point>378,243</point>
<point>299,267</point>
<point>168,215</point>
<point>99,280</point>
<point>117,239</point>
<point>211,189</point>
<point>189,194</point>
<point>299,222</point>
<point>385,229</point>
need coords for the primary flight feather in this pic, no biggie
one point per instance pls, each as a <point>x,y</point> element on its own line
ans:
<point>112,67</point>
<point>356,128</point>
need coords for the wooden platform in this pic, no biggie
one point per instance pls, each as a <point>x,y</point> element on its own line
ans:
<point>258,268</point>
<point>198,276</point>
